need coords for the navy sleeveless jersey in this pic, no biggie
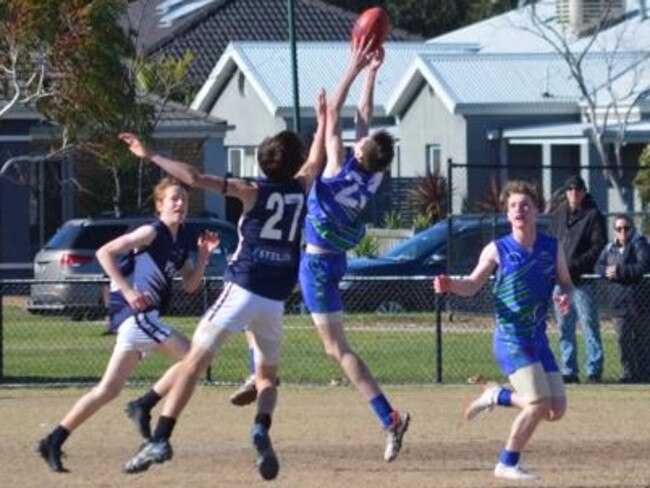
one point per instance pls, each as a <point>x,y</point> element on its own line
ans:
<point>150,270</point>
<point>335,206</point>
<point>267,257</point>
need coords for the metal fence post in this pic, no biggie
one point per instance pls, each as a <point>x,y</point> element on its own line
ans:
<point>2,334</point>
<point>438,339</point>
<point>206,285</point>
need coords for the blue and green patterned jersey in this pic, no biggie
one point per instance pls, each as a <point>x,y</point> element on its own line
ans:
<point>523,288</point>
<point>335,204</point>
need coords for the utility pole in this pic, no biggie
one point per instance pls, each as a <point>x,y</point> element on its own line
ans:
<point>291,8</point>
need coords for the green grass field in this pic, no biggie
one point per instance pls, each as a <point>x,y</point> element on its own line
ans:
<point>400,349</point>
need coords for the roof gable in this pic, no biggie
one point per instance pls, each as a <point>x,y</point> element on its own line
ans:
<point>267,66</point>
<point>510,81</point>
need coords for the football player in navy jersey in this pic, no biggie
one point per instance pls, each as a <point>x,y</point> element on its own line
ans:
<point>260,277</point>
<point>526,265</point>
<point>140,289</point>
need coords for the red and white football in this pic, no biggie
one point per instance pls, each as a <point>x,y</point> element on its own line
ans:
<point>371,22</point>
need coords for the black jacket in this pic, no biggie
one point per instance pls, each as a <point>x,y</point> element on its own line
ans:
<point>628,292</point>
<point>582,234</point>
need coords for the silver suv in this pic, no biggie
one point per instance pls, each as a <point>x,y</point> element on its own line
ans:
<point>80,285</point>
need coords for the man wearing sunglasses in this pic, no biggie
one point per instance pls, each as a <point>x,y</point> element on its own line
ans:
<point>623,262</point>
<point>580,228</point>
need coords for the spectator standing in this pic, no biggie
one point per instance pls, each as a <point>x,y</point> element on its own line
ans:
<point>580,229</point>
<point>623,262</point>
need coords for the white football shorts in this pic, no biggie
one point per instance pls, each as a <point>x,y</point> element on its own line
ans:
<point>142,332</point>
<point>237,310</point>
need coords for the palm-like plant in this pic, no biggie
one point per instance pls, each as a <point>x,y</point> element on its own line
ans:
<point>429,197</point>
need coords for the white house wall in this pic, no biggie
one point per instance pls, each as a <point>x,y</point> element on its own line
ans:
<point>242,108</point>
<point>426,121</point>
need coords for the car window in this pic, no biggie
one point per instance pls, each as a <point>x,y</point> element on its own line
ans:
<point>95,236</point>
<point>63,238</point>
<point>85,237</point>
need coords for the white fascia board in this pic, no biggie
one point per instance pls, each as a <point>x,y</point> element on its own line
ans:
<point>215,80</point>
<point>232,58</point>
<point>405,89</point>
<point>538,141</point>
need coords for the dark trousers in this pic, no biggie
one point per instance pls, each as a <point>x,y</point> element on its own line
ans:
<point>633,333</point>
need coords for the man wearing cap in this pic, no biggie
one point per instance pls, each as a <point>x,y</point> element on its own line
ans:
<point>580,228</point>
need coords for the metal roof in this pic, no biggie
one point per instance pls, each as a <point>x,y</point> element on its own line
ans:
<point>514,31</point>
<point>267,66</point>
<point>533,82</point>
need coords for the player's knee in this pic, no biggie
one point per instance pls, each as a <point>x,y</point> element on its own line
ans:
<point>335,350</point>
<point>556,412</point>
<point>106,392</point>
<point>195,363</point>
<point>540,408</point>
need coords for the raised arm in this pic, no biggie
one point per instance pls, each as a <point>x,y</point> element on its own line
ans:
<point>191,176</point>
<point>333,142</point>
<point>316,158</point>
<point>469,285</point>
<point>365,108</point>
<point>191,272</point>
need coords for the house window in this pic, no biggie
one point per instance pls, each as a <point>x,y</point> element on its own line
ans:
<point>235,161</point>
<point>433,159</point>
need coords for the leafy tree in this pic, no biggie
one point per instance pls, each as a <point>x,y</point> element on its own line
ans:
<point>66,58</point>
<point>430,18</point>
<point>72,61</point>
<point>611,106</point>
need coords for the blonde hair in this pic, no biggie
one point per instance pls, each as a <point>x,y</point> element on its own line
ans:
<point>523,188</point>
<point>161,187</point>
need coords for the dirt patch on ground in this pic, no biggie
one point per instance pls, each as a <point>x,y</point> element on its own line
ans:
<point>327,437</point>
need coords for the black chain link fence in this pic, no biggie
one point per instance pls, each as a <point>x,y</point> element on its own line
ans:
<point>55,332</point>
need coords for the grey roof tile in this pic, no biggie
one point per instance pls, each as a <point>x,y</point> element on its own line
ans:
<point>210,29</point>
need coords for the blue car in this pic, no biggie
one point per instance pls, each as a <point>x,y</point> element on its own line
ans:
<point>400,279</point>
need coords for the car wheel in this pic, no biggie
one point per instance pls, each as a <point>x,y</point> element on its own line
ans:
<point>390,306</point>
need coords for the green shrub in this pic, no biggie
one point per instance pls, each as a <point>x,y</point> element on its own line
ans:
<point>393,220</point>
<point>367,248</point>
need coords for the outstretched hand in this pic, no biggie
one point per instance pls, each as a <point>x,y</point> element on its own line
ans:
<point>361,53</point>
<point>442,284</point>
<point>377,59</point>
<point>208,241</point>
<point>135,145</point>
